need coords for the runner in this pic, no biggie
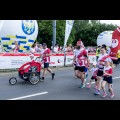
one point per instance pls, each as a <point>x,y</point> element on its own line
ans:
<point>94,75</point>
<point>101,60</point>
<point>80,63</point>
<point>46,58</point>
<point>76,52</point>
<point>107,78</point>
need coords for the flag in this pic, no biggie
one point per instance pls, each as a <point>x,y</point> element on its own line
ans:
<point>68,28</point>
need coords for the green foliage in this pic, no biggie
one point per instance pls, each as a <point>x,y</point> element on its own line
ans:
<point>87,30</point>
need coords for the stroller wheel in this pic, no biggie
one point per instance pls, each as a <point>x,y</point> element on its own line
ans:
<point>13,81</point>
<point>34,78</point>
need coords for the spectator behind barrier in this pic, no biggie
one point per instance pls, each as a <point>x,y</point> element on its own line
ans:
<point>15,47</point>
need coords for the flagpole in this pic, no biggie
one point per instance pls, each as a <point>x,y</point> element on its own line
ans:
<point>54,33</point>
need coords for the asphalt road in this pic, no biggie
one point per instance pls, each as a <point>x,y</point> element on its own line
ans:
<point>63,87</point>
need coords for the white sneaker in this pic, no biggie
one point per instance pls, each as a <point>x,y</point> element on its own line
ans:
<point>112,95</point>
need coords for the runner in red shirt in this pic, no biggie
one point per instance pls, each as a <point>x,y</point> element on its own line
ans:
<point>100,64</point>
<point>107,78</point>
<point>46,59</point>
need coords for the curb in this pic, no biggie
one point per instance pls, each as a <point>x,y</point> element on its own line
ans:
<point>15,70</point>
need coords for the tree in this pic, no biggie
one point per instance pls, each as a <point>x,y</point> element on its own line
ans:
<point>87,30</point>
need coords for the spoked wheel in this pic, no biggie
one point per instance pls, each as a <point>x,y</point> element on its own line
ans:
<point>34,78</point>
<point>13,81</point>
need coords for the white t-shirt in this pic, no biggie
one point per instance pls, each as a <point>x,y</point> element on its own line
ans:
<point>93,70</point>
<point>32,50</point>
<point>39,50</point>
<point>81,60</point>
<point>76,52</point>
<point>103,58</point>
<point>55,49</point>
<point>108,70</point>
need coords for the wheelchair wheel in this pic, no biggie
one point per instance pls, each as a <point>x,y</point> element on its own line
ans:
<point>34,78</point>
<point>13,81</point>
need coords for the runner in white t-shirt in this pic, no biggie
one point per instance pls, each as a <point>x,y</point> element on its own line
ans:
<point>76,53</point>
<point>94,75</point>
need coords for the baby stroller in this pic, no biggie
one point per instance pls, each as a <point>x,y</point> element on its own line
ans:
<point>29,71</point>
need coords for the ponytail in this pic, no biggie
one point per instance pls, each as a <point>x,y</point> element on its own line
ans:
<point>112,65</point>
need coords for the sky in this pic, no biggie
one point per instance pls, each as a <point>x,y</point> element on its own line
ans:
<point>117,22</point>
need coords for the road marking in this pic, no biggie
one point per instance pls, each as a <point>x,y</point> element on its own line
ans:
<point>116,77</point>
<point>27,96</point>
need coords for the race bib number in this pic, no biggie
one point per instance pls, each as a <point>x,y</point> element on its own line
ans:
<point>81,62</point>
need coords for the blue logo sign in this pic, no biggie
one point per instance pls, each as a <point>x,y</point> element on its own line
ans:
<point>28,26</point>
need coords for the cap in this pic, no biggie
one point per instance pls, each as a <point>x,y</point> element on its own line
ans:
<point>44,44</point>
<point>108,60</point>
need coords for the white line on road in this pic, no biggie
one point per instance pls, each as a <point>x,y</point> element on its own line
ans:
<point>27,96</point>
<point>116,77</point>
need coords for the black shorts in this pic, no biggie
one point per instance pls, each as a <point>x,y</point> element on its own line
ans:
<point>108,79</point>
<point>81,69</point>
<point>100,73</point>
<point>76,68</point>
<point>93,78</point>
<point>46,65</point>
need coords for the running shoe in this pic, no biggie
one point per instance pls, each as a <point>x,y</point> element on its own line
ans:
<point>42,79</point>
<point>53,75</point>
<point>112,95</point>
<point>88,86</point>
<point>82,85</point>
<point>76,77</point>
<point>97,92</point>
<point>104,94</point>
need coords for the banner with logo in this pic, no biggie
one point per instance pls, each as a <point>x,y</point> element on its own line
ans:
<point>23,31</point>
<point>69,59</point>
<point>11,60</point>
<point>68,28</point>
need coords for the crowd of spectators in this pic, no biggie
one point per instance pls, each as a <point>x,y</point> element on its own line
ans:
<point>38,48</point>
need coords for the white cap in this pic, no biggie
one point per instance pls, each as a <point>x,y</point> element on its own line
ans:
<point>108,59</point>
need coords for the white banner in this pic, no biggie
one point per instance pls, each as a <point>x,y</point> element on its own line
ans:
<point>10,61</point>
<point>68,28</point>
<point>69,59</point>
